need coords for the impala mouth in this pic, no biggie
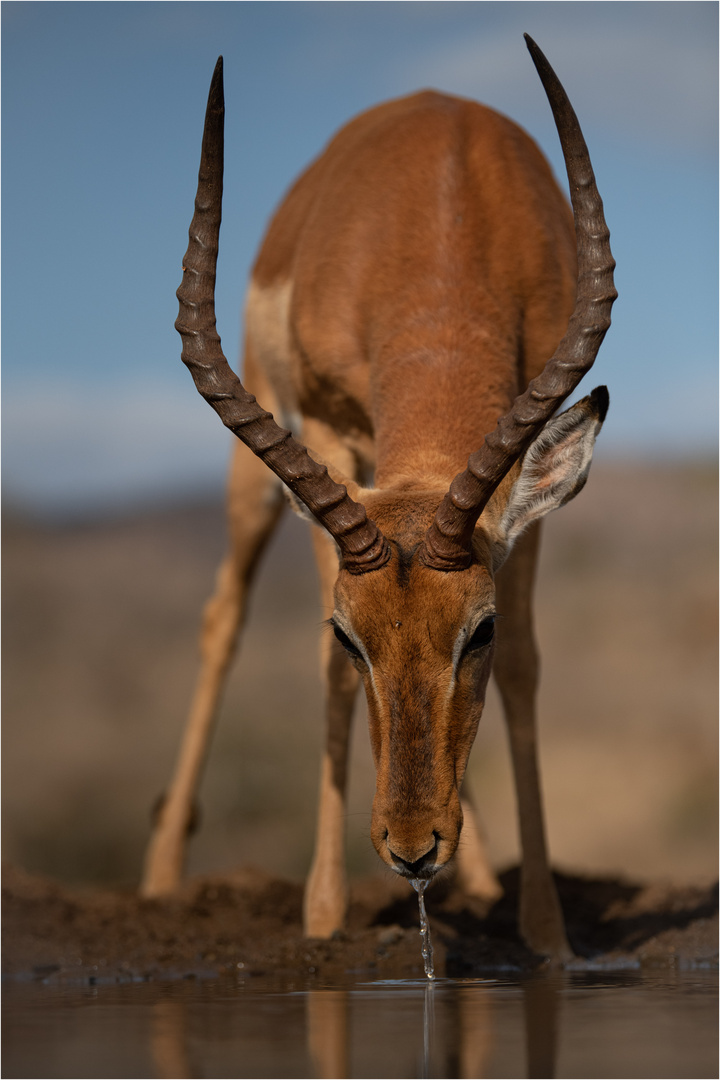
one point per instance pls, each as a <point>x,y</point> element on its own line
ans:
<point>415,871</point>
<point>422,869</point>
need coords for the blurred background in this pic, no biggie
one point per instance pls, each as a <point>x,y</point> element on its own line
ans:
<point>113,467</point>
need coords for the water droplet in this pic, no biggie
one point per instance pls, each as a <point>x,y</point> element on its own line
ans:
<point>427,950</point>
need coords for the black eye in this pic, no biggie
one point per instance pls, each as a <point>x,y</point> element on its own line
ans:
<point>482,634</point>
<point>351,649</point>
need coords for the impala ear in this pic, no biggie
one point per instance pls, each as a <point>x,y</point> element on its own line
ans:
<point>556,466</point>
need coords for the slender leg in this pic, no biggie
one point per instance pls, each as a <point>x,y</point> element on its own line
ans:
<point>326,892</point>
<point>255,505</point>
<point>474,873</point>
<point>516,671</point>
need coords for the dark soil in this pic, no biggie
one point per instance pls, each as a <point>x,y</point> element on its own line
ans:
<point>250,922</point>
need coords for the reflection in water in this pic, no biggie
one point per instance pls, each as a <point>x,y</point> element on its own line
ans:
<point>327,1032</point>
<point>474,1040</point>
<point>168,1045</point>
<point>463,1043</point>
<point>428,1013</point>
<point>626,1025</point>
<point>400,1029</point>
<point>541,1006</point>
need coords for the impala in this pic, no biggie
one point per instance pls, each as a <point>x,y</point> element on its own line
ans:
<point>420,307</point>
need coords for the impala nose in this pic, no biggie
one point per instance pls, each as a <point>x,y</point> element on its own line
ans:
<point>423,866</point>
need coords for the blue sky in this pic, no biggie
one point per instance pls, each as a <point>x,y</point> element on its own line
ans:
<point>102,107</point>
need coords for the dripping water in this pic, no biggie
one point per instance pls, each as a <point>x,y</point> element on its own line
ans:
<point>428,1023</point>
<point>427,950</point>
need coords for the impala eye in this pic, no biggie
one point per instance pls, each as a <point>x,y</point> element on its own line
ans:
<point>350,648</point>
<point>482,634</point>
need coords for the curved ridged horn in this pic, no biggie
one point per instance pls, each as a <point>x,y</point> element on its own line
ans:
<point>362,545</point>
<point>447,544</point>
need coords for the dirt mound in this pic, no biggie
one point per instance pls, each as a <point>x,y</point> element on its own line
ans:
<point>250,922</point>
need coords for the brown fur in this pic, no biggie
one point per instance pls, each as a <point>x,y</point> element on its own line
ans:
<point>432,263</point>
<point>416,276</point>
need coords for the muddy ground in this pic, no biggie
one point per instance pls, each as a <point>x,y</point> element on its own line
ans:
<point>249,923</point>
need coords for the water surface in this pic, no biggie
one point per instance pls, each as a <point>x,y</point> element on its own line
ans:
<point>553,1025</point>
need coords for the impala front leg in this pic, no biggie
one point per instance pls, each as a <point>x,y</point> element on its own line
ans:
<point>475,875</point>
<point>326,892</point>
<point>255,504</point>
<point>516,672</point>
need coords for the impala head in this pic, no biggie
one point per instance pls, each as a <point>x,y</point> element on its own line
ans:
<point>415,595</point>
<point>422,639</point>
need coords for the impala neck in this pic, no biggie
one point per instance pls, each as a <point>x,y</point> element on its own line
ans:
<point>434,403</point>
